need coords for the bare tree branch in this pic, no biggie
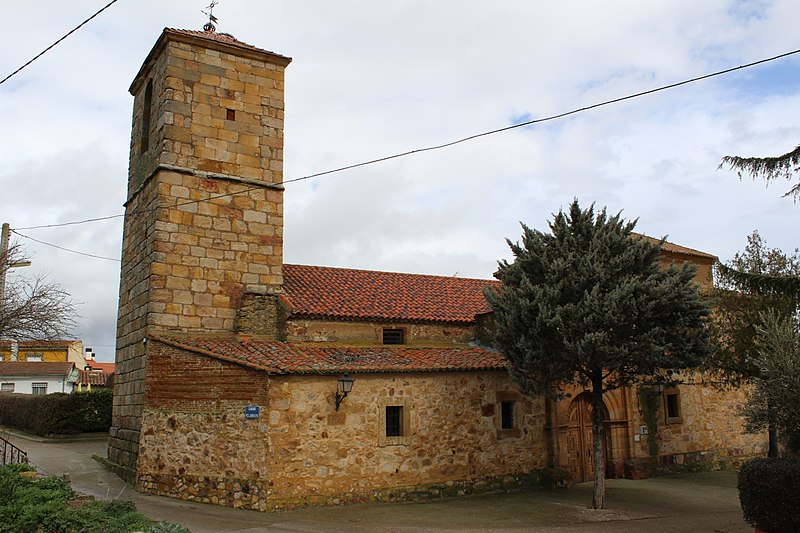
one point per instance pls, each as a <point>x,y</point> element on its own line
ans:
<point>33,308</point>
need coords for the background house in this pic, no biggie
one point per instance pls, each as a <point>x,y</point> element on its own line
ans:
<point>42,351</point>
<point>37,377</point>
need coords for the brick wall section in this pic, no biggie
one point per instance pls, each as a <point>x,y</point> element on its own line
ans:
<point>196,443</point>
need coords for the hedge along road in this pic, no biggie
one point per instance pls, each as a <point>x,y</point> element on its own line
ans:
<point>704,502</point>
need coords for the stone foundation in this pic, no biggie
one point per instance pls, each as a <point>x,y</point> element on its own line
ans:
<point>258,495</point>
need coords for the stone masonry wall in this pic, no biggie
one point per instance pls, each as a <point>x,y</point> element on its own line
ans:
<point>452,432</point>
<point>709,429</point>
<point>134,291</point>
<point>304,330</point>
<point>210,252</point>
<point>204,216</point>
<point>213,110</point>
<point>196,443</point>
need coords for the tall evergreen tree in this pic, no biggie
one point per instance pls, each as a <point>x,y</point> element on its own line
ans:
<point>741,298</point>
<point>586,304</point>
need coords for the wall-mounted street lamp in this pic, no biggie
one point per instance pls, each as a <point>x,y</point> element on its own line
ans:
<point>344,386</point>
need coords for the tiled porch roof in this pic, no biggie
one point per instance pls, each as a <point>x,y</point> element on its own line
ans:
<point>323,358</point>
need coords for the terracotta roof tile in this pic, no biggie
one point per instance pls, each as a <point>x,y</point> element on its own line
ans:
<point>107,368</point>
<point>678,249</point>
<point>220,37</point>
<point>322,358</point>
<point>24,368</point>
<point>349,294</point>
<point>92,377</point>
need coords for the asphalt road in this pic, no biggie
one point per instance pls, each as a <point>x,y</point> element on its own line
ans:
<point>706,502</point>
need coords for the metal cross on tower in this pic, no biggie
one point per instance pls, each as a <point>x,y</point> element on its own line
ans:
<point>209,26</point>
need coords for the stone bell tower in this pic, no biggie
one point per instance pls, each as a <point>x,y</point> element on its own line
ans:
<point>203,234</point>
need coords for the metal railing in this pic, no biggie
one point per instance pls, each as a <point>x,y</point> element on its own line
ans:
<point>12,454</point>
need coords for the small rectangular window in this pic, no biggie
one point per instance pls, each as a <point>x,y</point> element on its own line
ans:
<point>672,406</point>
<point>39,388</point>
<point>393,336</point>
<point>506,415</point>
<point>6,387</point>
<point>34,357</point>
<point>394,421</point>
<point>230,114</point>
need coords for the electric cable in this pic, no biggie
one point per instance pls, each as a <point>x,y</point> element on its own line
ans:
<point>43,52</point>
<point>410,152</point>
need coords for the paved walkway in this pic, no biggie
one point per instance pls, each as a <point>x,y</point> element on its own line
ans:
<point>705,502</point>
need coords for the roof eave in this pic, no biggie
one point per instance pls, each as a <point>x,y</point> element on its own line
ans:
<point>170,34</point>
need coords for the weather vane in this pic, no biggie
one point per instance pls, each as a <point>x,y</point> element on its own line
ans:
<point>209,26</point>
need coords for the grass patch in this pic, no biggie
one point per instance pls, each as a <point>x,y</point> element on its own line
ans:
<point>48,505</point>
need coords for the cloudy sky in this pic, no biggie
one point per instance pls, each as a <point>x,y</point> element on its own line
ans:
<point>374,78</point>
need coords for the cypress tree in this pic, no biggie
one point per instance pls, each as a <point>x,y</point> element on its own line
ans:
<point>586,304</point>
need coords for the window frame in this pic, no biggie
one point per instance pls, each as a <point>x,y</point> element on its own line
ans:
<point>393,331</point>
<point>39,385</point>
<point>514,400</point>
<point>34,357</point>
<point>406,428</point>
<point>676,418</point>
<point>4,387</point>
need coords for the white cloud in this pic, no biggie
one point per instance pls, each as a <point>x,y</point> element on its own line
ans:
<point>371,79</point>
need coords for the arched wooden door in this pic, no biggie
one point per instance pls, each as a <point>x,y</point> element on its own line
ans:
<point>579,440</point>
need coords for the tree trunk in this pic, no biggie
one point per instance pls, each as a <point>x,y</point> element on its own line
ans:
<point>599,436</point>
<point>549,410</point>
<point>772,432</point>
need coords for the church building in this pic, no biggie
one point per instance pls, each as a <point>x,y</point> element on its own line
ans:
<point>247,382</point>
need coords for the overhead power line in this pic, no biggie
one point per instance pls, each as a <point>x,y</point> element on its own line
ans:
<point>424,149</point>
<point>15,232</point>
<point>43,52</point>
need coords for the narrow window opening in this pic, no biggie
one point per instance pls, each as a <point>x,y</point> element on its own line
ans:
<point>507,415</point>
<point>393,336</point>
<point>148,100</point>
<point>673,405</point>
<point>230,114</point>
<point>394,420</point>
<point>34,357</point>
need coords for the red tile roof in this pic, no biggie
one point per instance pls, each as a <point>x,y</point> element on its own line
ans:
<point>225,38</point>
<point>107,368</point>
<point>92,377</point>
<point>670,247</point>
<point>24,368</point>
<point>322,358</point>
<point>349,294</point>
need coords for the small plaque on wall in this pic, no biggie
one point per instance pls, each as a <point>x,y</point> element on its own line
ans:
<point>251,411</point>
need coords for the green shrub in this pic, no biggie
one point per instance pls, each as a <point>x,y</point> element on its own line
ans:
<point>769,491</point>
<point>48,505</point>
<point>58,413</point>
